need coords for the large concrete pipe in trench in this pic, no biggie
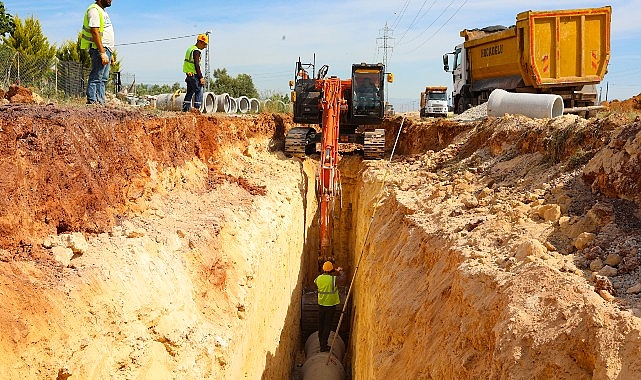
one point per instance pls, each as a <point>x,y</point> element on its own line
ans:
<point>531,105</point>
<point>320,365</point>
<point>254,105</point>
<point>243,104</point>
<point>170,102</point>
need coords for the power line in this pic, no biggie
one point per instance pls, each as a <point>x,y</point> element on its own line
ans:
<point>400,14</point>
<point>158,40</point>
<point>417,17</point>
<point>441,27</point>
<point>432,23</point>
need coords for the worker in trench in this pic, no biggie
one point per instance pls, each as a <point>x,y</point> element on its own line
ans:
<point>194,77</point>
<point>327,283</point>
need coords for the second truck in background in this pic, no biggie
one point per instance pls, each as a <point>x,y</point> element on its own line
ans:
<point>434,102</point>
<point>564,52</point>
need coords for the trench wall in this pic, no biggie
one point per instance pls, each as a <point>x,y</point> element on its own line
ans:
<point>429,305</point>
<point>199,283</point>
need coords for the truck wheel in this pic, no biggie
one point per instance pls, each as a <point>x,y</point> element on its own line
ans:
<point>457,105</point>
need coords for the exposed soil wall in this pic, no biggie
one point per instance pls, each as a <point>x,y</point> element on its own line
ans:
<point>471,270</point>
<point>153,246</point>
<point>149,247</point>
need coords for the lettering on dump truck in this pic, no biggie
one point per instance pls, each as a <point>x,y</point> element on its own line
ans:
<point>493,50</point>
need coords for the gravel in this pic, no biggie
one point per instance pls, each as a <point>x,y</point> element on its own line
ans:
<point>473,114</point>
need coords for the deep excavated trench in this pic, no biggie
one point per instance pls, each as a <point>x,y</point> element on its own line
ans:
<point>181,246</point>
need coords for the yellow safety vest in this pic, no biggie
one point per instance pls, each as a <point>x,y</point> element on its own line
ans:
<point>327,290</point>
<point>189,66</point>
<point>86,40</point>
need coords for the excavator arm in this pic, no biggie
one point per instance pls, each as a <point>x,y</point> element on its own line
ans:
<point>340,108</point>
<point>328,184</point>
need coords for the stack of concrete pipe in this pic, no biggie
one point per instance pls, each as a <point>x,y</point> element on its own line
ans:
<point>324,365</point>
<point>233,105</point>
<point>211,103</point>
<point>254,105</point>
<point>243,104</point>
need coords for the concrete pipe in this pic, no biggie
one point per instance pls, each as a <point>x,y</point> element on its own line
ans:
<point>223,102</point>
<point>170,102</point>
<point>209,102</point>
<point>318,368</point>
<point>243,104</point>
<point>531,105</point>
<point>312,345</point>
<point>233,105</point>
<point>254,105</point>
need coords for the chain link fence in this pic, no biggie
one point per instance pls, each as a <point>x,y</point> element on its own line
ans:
<point>50,77</point>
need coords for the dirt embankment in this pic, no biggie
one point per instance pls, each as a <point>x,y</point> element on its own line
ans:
<point>151,246</point>
<point>132,245</point>
<point>80,169</point>
<point>518,255</point>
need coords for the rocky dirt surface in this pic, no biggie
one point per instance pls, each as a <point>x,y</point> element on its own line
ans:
<point>157,245</point>
<point>519,252</point>
<point>112,228</point>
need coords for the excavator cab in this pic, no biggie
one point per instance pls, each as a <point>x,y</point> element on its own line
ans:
<point>305,97</point>
<point>368,100</point>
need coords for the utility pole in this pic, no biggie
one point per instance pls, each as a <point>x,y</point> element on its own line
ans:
<point>208,33</point>
<point>384,43</point>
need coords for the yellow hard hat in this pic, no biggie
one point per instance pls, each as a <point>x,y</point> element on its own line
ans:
<point>203,37</point>
<point>328,266</point>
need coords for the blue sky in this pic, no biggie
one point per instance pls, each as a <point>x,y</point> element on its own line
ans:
<point>265,38</point>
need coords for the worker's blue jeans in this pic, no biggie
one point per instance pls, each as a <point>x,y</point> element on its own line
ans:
<point>194,90</point>
<point>98,77</point>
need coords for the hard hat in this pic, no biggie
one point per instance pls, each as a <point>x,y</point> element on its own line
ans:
<point>328,267</point>
<point>203,37</point>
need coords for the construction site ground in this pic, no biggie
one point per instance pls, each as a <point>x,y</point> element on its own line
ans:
<point>137,244</point>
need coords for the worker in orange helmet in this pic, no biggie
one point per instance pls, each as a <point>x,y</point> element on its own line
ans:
<point>328,298</point>
<point>194,77</point>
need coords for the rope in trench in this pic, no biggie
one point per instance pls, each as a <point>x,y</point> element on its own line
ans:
<point>360,257</point>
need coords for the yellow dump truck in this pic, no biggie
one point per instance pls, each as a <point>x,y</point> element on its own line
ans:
<point>562,52</point>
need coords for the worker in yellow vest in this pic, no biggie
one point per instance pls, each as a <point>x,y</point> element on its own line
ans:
<point>98,36</point>
<point>194,79</point>
<point>328,298</point>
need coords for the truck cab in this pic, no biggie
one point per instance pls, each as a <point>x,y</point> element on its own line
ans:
<point>434,102</point>
<point>458,68</point>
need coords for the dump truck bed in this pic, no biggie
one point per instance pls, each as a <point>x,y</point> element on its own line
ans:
<point>544,49</point>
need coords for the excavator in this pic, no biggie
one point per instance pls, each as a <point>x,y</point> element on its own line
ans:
<point>343,111</point>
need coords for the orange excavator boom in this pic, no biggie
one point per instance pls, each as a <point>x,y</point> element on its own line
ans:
<point>332,103</point>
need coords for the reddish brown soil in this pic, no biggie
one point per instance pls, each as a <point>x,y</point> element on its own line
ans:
<point>80,169</point>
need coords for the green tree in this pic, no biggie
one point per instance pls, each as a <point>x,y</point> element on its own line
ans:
<point>71,51</point>
<point>28,38</point>
<point>7,25</point>
<point>245,86</point>
<point>155,89</point>
<point>35,54</point>
<point>235,87</point>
